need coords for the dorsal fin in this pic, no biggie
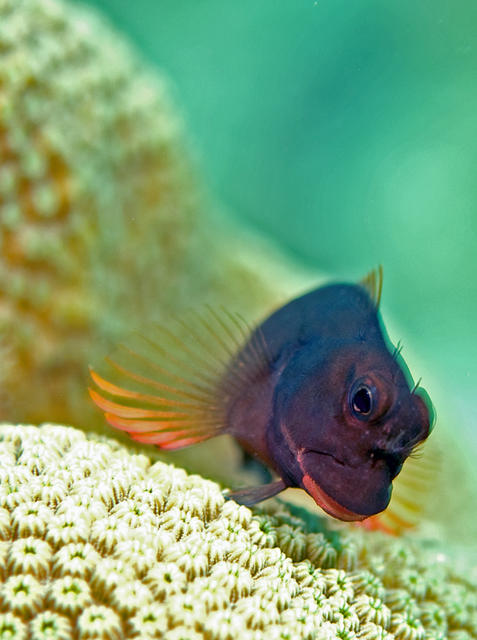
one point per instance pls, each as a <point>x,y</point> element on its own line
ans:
<point>373,283</point>
<point>170,389</point>
<point>410,492</point>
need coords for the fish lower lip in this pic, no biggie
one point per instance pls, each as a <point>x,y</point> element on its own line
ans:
<point>346,492</point>
<point>323,499</point>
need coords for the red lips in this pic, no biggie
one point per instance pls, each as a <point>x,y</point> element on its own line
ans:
<point>347,493</point>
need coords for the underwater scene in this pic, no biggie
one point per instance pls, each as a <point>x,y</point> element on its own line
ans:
<point>237,320</point>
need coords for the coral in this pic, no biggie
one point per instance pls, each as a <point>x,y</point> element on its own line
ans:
<point>102,223</point>
<point>90,166</point>
<point>97,542</point>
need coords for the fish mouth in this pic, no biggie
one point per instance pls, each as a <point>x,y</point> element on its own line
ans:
<point>345,492</point>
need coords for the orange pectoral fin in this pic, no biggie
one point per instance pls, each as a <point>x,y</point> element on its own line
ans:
<point>170,389</point>
<point>171,420</point>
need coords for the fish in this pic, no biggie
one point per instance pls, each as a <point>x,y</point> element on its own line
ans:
<point>316,392</point>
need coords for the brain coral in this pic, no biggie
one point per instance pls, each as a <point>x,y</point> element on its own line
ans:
<point>100,543</point>
<point>102,223</point>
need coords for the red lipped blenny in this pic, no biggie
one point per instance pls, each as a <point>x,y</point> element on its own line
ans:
<point>316,392</point>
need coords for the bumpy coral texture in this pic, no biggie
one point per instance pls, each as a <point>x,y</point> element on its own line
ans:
<point>90,167</point>
<point>100,543</point>
<point>101,221</point>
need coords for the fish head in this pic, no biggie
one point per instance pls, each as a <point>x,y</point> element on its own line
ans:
<point>346,416</point>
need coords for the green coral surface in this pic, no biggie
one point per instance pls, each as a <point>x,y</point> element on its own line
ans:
<point>97,542</point>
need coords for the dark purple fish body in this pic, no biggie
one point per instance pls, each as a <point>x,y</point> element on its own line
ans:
<point>316,392</point>
<point>335,413</point>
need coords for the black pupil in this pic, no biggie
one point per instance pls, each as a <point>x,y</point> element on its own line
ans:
<point>362,400</point>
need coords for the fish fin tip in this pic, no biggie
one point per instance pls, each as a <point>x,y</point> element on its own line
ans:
<point>373,283</point>
<point>95,397</point>
<point>249,496</point>
<point>251,356</point>
<point>168,441</point>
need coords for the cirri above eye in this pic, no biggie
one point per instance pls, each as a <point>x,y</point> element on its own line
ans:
<point>362,400</point>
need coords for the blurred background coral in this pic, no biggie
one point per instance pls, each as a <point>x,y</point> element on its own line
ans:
<point>104,225</point>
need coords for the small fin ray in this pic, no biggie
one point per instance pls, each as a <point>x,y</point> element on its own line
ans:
<point>251,495</point>
<point>373,283</point>
<point>171,389</point>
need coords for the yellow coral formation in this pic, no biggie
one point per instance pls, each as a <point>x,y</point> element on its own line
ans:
<point>101,223</point>
<point>90,167</point>
<point>99,543</point>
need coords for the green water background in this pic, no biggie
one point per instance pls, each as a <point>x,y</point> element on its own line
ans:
<point>347,131</point>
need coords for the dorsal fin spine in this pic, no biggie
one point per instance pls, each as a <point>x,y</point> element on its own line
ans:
<point>373,283</point>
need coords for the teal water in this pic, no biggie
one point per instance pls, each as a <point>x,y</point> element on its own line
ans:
<point>347,132</point>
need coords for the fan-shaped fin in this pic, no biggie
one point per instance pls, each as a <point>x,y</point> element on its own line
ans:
<point>171,389</point>
<point>251,495</point>
<point>373,283</point>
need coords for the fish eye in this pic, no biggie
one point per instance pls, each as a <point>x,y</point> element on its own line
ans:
<point>362,400</point>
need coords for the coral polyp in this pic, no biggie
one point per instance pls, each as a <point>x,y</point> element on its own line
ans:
<point>127,548</point>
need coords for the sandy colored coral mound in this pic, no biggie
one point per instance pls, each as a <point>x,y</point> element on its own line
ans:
<point>100,543</point>
<point>91,166</point>
<point>102,224</point>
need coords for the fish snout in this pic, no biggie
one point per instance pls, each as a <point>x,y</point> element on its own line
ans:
<point>391,459</point>
<point>402,438</point>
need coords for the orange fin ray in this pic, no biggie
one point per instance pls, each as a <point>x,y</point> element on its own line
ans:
<point>115,390</point>
<point>200,389</point>
<point>220,360</point>
<point>121,392</point>
<point>167,441</point>
<point>154,383</point>
<point>232,333</point>
<point>172,389</point>
<point>236,340</point>
<point>210,363</point>
<point>255,353</point>
<point>185,442</point>
<point>123,411</point>
<point>184,365</point>
<point>132,425</point>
